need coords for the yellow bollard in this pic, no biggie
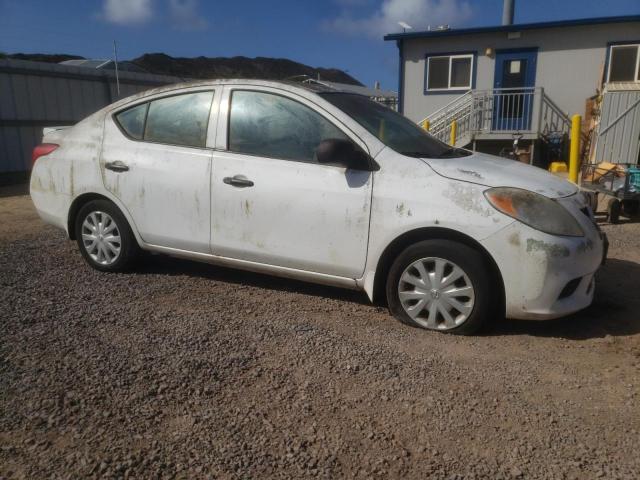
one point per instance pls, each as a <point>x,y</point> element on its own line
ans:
<point>454,131</point>
<point>426,125</point>
<point>574,151</point>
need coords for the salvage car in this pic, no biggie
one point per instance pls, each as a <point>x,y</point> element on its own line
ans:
<point>322,186</point>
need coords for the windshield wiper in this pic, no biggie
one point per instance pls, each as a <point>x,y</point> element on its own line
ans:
<point>416,154</point>
<point>446,154</point>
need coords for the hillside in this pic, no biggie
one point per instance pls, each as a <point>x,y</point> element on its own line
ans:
<point>225,67</point>
<point>218,67</point>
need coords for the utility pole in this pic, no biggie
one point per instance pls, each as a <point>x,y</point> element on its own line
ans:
<point>115,56</point>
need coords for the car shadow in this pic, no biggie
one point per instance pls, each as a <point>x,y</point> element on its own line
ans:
<point>166,265</point>
<point>601,219</point>
<point>14,190</point>
<point>615,310</point>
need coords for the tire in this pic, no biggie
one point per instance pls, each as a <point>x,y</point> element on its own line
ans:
<point>473,307</point>
<point>111,233</point>
<point>614,209</point>
<point>630,207</point>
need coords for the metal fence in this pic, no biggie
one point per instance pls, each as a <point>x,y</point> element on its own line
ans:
<point>34,95</point>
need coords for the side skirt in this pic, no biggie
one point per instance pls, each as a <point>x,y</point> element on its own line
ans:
<point>285,272</point>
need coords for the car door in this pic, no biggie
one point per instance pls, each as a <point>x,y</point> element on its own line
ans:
<point>271,202</point>
<point>156,162</point>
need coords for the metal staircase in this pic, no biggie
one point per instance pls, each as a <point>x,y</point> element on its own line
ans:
<point>498,114</point>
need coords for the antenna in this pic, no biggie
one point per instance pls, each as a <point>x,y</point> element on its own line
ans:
<point>115,56</point>
<point>405,26</point>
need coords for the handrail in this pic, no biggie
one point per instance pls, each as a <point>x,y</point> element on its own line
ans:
<point>526,109</point>
<point>452,102</point>
<point>556,109</point>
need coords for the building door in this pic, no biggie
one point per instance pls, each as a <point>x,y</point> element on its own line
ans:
<point>514,82</point>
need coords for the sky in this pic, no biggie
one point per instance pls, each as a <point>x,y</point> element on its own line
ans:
<point>345,34</point>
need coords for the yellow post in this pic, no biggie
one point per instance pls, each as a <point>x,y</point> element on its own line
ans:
<point>454,131</point>
<point>382,132</point>
<point>574,151</point>
<point>426,125</point>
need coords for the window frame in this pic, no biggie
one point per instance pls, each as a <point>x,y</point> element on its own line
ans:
<point>610,48</point>
<point>472,55</point>
<point>147,101</point>
<point>300,100</point>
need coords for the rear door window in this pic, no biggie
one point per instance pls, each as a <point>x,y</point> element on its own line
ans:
<point>180,119</point>
<point>176,120</point>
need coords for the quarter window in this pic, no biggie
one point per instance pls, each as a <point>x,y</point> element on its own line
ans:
<point>176,120</point>
<point>449,72</point>
<point>274,126</point>
<point>132,120</point>
<point>624,63</point>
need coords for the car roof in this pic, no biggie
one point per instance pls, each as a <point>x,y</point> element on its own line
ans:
<point>297,87</point>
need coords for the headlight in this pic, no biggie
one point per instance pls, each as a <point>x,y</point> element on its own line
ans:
<point>535,210</point>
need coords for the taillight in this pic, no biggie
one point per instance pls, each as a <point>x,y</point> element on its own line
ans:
<point>41,150</point>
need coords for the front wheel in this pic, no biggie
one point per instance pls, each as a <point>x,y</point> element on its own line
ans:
<point>441,285</point>
<point>104,237</point>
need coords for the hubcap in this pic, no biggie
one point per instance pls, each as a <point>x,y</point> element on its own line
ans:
<point>101,238</point>
<point>436,293</point>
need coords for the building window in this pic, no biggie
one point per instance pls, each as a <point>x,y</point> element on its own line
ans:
<point>624,63</point>
<point>449,72</point>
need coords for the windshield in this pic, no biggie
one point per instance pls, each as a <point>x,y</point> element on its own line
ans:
<point>391,128</point>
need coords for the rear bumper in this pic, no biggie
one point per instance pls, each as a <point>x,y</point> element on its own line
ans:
<point>52,207</point>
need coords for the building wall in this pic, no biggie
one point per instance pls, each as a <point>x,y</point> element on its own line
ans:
<point>570,64</point>
<point>34,95</point>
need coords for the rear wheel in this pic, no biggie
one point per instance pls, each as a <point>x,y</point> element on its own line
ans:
<point>104,237</point>
<point>441,285</point>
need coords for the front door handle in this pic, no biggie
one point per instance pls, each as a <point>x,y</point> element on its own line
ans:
<point>238,181</point>
<point>116,166</point>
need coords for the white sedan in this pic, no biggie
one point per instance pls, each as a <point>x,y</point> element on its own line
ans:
<point>321,186</point>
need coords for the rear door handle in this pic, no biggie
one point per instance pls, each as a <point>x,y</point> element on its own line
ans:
<point>238,181</point>
<point>116,166</point>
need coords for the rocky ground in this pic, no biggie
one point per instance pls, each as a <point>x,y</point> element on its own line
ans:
<point>191,371</point>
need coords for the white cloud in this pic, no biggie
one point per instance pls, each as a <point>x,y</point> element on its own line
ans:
<point>185,16</point>
<point>127,12</point>
<point>417,13</point>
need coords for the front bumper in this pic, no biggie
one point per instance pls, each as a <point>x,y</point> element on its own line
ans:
<point>547,276</point>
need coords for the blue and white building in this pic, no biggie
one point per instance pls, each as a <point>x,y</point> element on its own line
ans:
<point>527,79</point>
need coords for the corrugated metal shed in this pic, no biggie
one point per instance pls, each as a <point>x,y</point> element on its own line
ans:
<point>123,66</point>
<point>618,138</point>
<point>34,95</point>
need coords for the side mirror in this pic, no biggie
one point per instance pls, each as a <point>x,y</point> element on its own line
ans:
<point>341,152</point>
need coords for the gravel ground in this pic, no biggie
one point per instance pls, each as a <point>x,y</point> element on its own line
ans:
<point>192,371</point>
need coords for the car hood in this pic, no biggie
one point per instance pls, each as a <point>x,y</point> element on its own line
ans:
<point>493,171</point>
